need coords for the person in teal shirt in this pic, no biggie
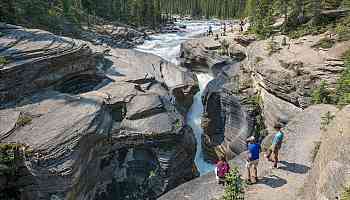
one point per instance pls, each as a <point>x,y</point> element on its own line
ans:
<point>276,145</point>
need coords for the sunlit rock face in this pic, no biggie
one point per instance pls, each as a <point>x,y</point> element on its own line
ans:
<point>119,136</point>
<point>37,59</point>
<point>227,122</point>
<point>227,119</point>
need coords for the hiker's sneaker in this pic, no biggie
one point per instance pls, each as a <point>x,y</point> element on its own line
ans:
<point>248,182</point>
<point>273,167</point>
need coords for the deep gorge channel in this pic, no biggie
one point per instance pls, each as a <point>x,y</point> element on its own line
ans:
<point>167,46</point>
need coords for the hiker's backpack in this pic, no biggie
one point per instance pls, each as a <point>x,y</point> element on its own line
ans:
<point>223,169</point>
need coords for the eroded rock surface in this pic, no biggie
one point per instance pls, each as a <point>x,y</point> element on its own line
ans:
<point>330,173</point>
<point>37,59</point>
<point>123,138</point>
<point>114,35</point>
<point>226,121</point>
<point>229,115</point>
<point>199,55</point>
<point>286,75</point>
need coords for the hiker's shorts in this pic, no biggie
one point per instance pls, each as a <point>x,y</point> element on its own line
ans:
<point>253,163</point>
<point>275,147</point>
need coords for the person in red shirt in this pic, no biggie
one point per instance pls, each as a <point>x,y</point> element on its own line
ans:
<point>222,168</point>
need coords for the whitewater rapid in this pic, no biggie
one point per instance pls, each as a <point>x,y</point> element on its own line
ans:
<point>168,46</point>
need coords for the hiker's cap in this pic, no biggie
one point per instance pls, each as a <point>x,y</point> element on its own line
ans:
<point>278,126</point>
<point>251,139</point>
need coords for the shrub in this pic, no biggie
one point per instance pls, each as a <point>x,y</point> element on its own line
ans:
<point>325,43</point>
<point>315,150</point>
<point>343,84</point>
<point>346,194</point>
<point>343,30</point>
<point>321,94</point>
<point>24,120</point>
<point>306,30</point>
<point>3,61</point>
<point>326,120</point>
<point>258,59</point>
<point>234,189</point>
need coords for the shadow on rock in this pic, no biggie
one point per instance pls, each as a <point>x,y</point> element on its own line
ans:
<point>294,167</point>
<point>273,181</point>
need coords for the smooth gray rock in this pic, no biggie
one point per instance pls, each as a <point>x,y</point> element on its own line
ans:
<point>38,59</point>
<point>123,138</point>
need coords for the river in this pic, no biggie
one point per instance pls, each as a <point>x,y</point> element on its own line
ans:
<point>168,46</point>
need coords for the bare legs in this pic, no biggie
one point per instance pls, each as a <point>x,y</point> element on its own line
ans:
<point>252,170</point>
<point>275,157</point>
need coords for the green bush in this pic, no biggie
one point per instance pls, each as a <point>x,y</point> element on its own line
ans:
<point>346,194</point>
<point>235,185</point>
<point>24,120</point>
<point>343,84</point>
<point>3,61</point>
<point>306,30</point>
<point>315,150</point>
<point>321,94</point>
<point>325,43</point>
<point>343,29</point>
<point>258,59</point>
<point>326,120</point>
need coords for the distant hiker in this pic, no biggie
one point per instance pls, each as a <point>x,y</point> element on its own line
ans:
<point>222,168</point>
<point>224,29</point>
<point>210,31</point>
<point>146,76</point>
<point>276,145</point>
<point>253,159</point>
<point>161,68</point>
<point>241,25</point>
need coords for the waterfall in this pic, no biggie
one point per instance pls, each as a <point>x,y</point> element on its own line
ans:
<point>194,120</point>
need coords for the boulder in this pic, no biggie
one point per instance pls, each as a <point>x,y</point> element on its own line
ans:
<point>198,55</point>
<point>147,69</point>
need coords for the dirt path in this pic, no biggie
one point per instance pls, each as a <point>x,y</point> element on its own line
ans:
<point>301,137</point>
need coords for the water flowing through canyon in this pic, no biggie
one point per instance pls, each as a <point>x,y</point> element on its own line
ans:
<point>167,46</point>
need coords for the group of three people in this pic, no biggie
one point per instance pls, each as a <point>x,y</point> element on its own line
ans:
<point>254,150</point>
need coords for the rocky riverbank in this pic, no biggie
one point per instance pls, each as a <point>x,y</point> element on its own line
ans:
<point>94,123</point>
<point>273,82</point>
